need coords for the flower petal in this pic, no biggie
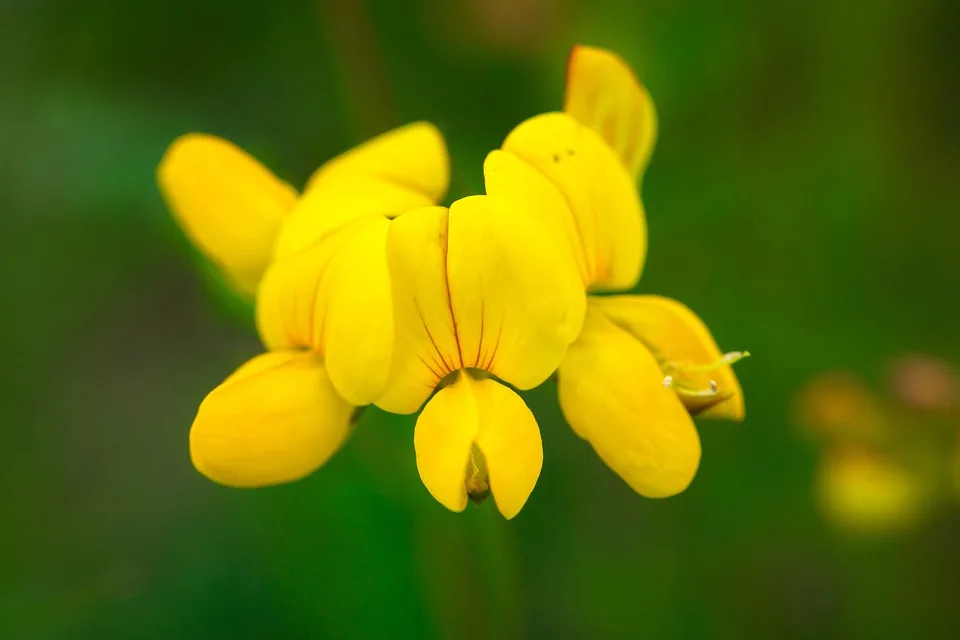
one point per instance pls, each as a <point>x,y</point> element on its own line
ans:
<point>329,207</point>
<point>425,350</point>
<point>507,177</point>
<point>414,156</point>
<point>606,207</point>
<point>359,328</point>
<point>334,298</point>
<point>400,170</point>
<point>603,94</point>
<point>517,297</point>
<point>228,204</point>
<point>481,286</point>
<point>509,438</point>
<point>673,333</point>
<point>611,392</point>
<point>443,438</point>
<point>275,420</point>
<point>489,415</point>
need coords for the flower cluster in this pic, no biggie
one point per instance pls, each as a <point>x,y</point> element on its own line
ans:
<point>888,462</point>
<point>368,292</point>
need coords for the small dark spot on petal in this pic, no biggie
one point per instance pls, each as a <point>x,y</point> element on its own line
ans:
<point>556,157</point>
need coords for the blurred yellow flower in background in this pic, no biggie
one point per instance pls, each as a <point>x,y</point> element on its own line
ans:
<point>955,466</point>
<point>318,266</point>
<point>864,491</point>
<point>887,462</point>
<point>837,406</point>
<point>926,383</point>
<point>642,365</point>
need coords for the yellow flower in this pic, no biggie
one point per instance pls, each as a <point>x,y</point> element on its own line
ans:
<point>838,406</point>
<point>884,467</point>
<point>864,491</point>
<point>318,266</point>
<point>642,365</point>
<point>480,292</point>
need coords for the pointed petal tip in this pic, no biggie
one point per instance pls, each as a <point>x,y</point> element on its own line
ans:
<point>580,51</point>
<point>603,93</point>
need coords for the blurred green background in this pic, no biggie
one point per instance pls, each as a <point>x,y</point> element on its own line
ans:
<point>803,199</point>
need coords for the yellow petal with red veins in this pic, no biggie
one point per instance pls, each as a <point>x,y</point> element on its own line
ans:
<point>426,348</point>
<point>601,195</point>
<point>604,94</point>
<point>683,346</point>
<point>334,298</point>
<point>478,415</point>
<point>275,420</point>
<point>227,203</point>
<point>612,394</point>
<point>482,286</point>
<point>517,298</point>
